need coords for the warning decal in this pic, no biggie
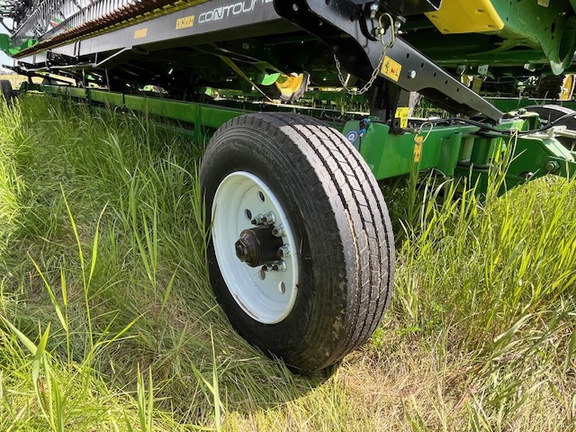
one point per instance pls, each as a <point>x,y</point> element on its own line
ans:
<point>391,68</point>
<point>418,141</point>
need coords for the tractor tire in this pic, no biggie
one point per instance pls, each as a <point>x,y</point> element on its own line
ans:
<point>288,183</point>
<point>6,88</point>
<point>561,116</point>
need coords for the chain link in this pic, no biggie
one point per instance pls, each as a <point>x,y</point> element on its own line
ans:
<point>354,92</point>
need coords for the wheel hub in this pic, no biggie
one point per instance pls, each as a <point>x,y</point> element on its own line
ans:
<point>258,246</point>
<point>255,248</point>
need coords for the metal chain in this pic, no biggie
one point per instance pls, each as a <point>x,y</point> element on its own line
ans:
<point>378,67</point>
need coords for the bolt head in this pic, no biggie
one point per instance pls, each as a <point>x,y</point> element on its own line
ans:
<point>279,266</point>
<point>283,251</point>
<point>241,250</point>
<point>551,166</point>
<point>269,218</point>
<point>278,231</point>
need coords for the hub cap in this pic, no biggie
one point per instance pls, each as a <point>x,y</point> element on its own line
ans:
<point>249,228</point>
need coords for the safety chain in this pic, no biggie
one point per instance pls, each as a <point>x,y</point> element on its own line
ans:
<point>380,32</point>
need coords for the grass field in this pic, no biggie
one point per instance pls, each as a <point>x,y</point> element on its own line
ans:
<point>16,79</point>
<point>108,322</point>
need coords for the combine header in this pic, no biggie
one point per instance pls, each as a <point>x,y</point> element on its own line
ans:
<point>301,252</point>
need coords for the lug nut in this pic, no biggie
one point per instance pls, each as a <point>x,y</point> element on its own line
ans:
<point>279,266</point>
<point>278,231</point>
<point>257,220</point>
<point>269,218</point>
<point>283,251</point>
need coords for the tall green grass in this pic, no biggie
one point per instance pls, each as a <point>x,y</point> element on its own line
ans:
<point>109,323</point>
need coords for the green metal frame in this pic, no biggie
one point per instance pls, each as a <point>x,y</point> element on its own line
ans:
<point>202,115</point>
<point>458,150</point>
<point>513,104</point>
<point>462,151</point>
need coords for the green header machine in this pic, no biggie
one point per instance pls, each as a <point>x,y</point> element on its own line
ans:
<point>301,252</point>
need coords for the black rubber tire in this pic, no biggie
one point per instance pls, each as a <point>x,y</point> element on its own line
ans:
<point>552,113</point>
<point>6,89</point>
<point>339,218</point>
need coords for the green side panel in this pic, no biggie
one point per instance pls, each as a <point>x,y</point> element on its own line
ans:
<point>455,150</point>
<point>199,114</point>
<point>76,92</point>
<point>205,115</point>
<point>64,90</point>
<point>509,104</point>
<point>390,155</point>
<point>105,97</point>
<point>461,151</point>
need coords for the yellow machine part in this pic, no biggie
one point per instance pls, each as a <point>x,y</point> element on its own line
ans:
<point>567,88</point>
<point>290,84</point>
<point>470,16</point>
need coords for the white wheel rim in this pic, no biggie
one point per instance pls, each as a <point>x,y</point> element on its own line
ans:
<point>240,197</point>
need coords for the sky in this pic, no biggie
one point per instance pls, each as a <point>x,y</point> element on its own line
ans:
<point>4,58</point>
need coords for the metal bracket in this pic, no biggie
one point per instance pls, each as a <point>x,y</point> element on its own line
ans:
<point>336,22</point>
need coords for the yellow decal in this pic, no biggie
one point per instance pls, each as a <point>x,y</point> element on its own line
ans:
<point>185,22</point>
<point>391,68</point>
<point>402,114</point>
<point>142,33</point>
<point>418,148</point>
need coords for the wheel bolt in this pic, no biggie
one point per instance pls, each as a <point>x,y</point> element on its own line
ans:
<point>269,218</point>
<point>283,251</point>
<point>278,231</point>
<point>265,268</point>
<point>279,266</point>
<point>257,220</point>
